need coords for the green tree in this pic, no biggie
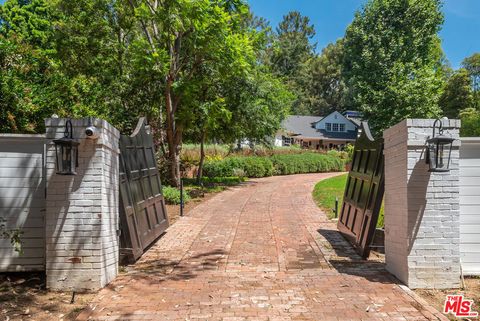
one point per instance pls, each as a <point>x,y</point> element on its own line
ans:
<point>291,49</point>
<point>193,67</point>
<point>472,65</point>
<point>292,46</point>
<point>323,81</point>
<point>109,72</point>
<point>71,58</point>
<point>26,71</point>
<point>262,102</point>
<point>470,118</point>
<point>392,60</point>
<point>457,94</point>
<point>183,36</point>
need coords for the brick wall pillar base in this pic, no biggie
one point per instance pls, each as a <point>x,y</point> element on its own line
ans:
<point>82,211</point>
<point>422,218</point>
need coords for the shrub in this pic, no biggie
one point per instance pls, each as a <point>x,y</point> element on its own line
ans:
<point>255,166</point>
<point>350,148</point>
<point>262,150</point>
<point>306,163</point>
<point>239,172</point>
<point>228,181</point>
<point>252,166</point>
<point>190,154</point>
<point>172,195</point>
<point>338,153</point>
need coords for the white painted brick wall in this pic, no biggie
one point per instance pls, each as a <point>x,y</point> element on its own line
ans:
<point>421,208</point>
<point>82,213</point>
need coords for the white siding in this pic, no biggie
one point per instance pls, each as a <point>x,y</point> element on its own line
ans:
<point>470,205</point>
<point>335,117</point>
<point>278,140</point>
<point>22,200</point>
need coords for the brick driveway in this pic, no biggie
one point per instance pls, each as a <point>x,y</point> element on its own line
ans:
<point>258,252</point>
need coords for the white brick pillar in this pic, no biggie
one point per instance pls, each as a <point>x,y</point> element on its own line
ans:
<point>422,217</point>
<point>82,214</point>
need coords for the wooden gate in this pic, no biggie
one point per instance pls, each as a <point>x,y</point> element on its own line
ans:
<point>363,194</point>
<point>143,217</point>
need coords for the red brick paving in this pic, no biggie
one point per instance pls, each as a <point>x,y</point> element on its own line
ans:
<point>258,252</point>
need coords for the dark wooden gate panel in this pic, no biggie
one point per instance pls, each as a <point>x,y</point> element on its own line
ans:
<point>363,194</point>
<point>143,216</point>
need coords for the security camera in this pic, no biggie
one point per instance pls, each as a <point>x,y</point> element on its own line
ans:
<point>91,132</point>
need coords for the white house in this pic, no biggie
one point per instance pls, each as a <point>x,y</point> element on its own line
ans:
<point>332,131</point>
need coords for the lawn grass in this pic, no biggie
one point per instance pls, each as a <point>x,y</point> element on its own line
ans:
<point>327,190</point>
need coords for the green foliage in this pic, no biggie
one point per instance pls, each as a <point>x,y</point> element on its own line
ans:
<point>172,195</point>
<point>322,80</point>
<point>14,235</point>
<point>190,154</point>
<point>338,153</point>
<point>290,50</point>
<point>470,118</point>
<point>392,60</point>
<point>306,163</point>
<point>327,190</point>
<point>254,166</point>
<point>457,94</point>
<point>190,67</point>
<point>26,83</point>
<point>227,181</point>
<point>264,150</point>
<point>292,46</point>
<point>69,58</point>
<point>349,148</point>
<point>472,65</point>
<point>259,103</point>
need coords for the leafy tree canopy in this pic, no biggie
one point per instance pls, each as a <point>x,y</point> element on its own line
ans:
<point>470,118</point>
<point>457,94</point>
<point>323,81</point>
<point>472,65</point>
<point>392,60</point>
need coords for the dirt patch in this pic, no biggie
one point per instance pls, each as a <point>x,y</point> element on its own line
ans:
<point>437,297</point>
<point>23,297</point>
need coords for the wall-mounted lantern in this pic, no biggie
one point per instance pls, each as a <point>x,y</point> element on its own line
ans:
<point>439,150</point>
<point>66,152</point>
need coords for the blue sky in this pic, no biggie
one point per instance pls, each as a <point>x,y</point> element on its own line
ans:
<point>460,34</point>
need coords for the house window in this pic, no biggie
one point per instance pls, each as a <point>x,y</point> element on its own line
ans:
<point>335,127</point>
<point>328,127</point>
<point>342,127</point>
<point>286,141</point>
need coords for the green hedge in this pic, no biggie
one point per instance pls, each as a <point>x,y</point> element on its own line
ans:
<point>306,163</point>
<point>172,195</point>
<point>254,166</point>
<point>229,181</point>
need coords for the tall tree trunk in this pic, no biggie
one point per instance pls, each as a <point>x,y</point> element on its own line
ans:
<point>172,136</point>
<point>202,157</point>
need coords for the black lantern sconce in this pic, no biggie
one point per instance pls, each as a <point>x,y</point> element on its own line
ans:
<point>439,150</point>
<point>66,152</point>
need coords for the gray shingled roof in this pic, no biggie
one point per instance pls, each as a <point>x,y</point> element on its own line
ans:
<point>356,121</point>
<point>301,125</point>
<point>304,126</point>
